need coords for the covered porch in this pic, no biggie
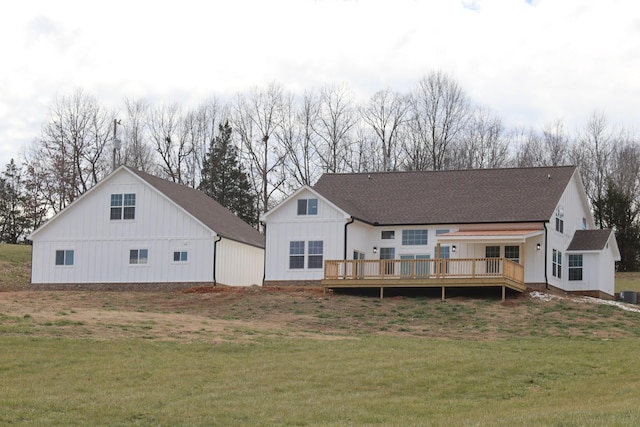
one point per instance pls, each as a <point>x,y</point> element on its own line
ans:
<point>424,273</point>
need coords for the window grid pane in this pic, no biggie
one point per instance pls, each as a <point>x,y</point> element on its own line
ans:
<point>315,247</point>
<point>302,207</point>
<point>129,199</point>
<point>133,256</point>
<point>312,208</point>
<point>68,257</point>
<point>59,257</point>
<point>296,248</point>
<point>414,237</point>
<point>129,213</point>
<point>116,200</point>
<point>143,256</point>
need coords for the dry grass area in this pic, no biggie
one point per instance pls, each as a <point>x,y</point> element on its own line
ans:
<point>225,314</point>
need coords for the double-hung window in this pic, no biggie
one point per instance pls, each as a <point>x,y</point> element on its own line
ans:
<point>139,256</point>
<point>307,206</point>
<point>314,254</point>
<point>123,206</point>
<point>314,259</point>
<point>64,257</point>
<point>414,237</point>
<point>296,254</point>
<point>575,267</point>
<point>557,264</point>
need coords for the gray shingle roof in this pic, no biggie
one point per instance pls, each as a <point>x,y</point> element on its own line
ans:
<point>207,210</point>
<point>448,197</point>
<point>589,240</point>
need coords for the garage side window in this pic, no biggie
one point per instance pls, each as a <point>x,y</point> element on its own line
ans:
<point>64,257</point>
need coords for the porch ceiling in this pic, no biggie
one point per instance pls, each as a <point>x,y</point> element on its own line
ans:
<point>516,236</point>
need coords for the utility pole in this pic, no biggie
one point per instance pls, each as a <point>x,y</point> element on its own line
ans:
<point>116,143</point>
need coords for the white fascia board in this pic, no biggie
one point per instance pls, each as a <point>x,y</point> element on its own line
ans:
<point>264,216</point>
<point>76,201</point>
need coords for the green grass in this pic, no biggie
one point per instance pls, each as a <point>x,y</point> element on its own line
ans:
<point>628,282</point>
<point>279,381</point>
<point>15,266</point>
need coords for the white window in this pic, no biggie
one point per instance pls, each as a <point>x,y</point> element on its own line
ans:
<point>180,256</point>
<point>388,235</point>
<point>512,253</point>
<point>123,206</point>
<point>296,254</point>
<point>64,257</point>
<point>414,237</point>
<point>307,206</point>
<point>575,267</point>
<point>315,254</point>
<point>138,256</point>
<point>560,220</point>
<point>557,264</point>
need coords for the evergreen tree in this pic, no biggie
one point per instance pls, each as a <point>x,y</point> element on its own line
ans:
<point>224,179</point>
<point>616,210</point>
<point>12,219</point>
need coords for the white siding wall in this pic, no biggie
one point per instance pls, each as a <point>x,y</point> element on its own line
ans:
<point>238,264</point>
<point>285,225</point>
<point>101,246</point>
<point>575,209</point>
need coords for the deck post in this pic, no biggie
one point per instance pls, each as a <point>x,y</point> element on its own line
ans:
<point>503,292</point>
<point>443,288</point>
<point>381,292</point>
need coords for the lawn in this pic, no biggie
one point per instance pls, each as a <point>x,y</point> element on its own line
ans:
<point>261,357</point>
<point>372,380</point>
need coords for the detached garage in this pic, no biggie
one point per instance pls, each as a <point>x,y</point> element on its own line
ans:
<point>137,231</point>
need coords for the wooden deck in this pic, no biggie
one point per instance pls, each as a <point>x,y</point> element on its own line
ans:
<point>424,273</point>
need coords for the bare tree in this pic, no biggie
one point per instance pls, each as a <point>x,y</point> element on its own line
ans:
<point>335,120</point>
<point>625,169</point>
<point>386,113</point>
<point>70,152</point>
<point>483,144</point>
<point>555,142</point>
<point>256,117</point>
<point>297,136</point>
<point>439,115</point>
<point>593,154</point>
<point>528,145</point>
<point>136,151</point>
<point>169,137</point>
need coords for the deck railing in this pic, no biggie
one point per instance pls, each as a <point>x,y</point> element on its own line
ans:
<point>442,268</point>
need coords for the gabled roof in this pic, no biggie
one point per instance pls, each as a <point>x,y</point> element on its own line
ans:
<point>448,197</point>
<point>211,213</point>
<point>589,240</point>
<point>197,204</point>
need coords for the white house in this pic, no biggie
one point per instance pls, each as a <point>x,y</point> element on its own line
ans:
<point>519,227</point>
<point>134,230</point>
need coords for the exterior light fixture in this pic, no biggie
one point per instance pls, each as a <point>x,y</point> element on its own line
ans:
<point>453,248</point>
<point>375,249</point>
<point>538,247</point>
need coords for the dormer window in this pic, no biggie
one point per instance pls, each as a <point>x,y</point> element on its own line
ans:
<point>307,206</point>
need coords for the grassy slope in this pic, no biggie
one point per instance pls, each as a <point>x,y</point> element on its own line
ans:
<point>15,266</point>
<point>366,379</point>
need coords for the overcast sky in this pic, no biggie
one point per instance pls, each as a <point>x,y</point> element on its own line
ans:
<point>531,62</point>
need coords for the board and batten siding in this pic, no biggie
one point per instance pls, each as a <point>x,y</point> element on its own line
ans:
<point>285,225</point>
<point>101,246</point>
<point>238,264</point>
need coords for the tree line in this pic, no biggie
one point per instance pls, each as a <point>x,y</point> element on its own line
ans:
<point>251,151</point>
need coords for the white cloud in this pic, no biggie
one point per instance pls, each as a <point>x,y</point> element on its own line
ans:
<point>530,61</point>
